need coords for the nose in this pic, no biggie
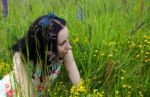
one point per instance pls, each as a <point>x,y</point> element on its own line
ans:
<point>68,46</point>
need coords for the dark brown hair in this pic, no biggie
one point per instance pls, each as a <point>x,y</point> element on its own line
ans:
<point>40,38</point>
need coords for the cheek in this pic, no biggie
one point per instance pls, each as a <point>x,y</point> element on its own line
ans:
<point>61,49</point>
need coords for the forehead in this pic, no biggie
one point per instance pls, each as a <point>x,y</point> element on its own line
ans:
<point>63,34</point>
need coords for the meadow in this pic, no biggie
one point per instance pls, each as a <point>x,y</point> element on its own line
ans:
<point>110,41</point>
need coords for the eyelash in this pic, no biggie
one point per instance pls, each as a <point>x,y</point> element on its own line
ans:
<point>63,43</point>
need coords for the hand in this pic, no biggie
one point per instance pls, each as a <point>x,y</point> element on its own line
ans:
<point>80,88</point>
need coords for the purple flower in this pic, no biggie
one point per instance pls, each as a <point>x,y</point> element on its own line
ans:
<point>79,13</point>
<point>5,7</point>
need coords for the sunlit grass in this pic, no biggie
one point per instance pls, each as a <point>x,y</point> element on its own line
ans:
<point>110,45</point>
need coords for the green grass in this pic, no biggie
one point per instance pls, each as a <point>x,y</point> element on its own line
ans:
<point>115,62</point>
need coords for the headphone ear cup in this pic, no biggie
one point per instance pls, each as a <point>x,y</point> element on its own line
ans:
<point>44,22</point>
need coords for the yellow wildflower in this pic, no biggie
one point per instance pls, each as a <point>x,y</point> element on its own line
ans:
<point>95,90</point>
<point>122,78</point>
<point>112,43</point>
<point>132,44</point>
<point>137,56</point>
<point>140,46</point>
<point>123,71</point>
<point>99,82</point>
<point>147,53</point>
<point>110,55</point>
<point>96,51</point>
<point>80,88</point>
<point>147,37</point>
<point>96,93</point>
<point>94,55</point>
<point>116,92</point>
<point>124,85</point>
<point>102,54</point>
<point>61,82</point>
<point>147,60</point>
<point>77,39</point>
<point>145,41</point>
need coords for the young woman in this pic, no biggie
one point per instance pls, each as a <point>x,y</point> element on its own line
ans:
<point>39,55</point>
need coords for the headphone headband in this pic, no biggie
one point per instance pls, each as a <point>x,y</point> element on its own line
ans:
<point>46,21</point>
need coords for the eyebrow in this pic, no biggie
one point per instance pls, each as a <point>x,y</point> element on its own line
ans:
<point>64,41</point>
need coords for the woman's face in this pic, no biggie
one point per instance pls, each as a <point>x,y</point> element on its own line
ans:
<point>63,45</point>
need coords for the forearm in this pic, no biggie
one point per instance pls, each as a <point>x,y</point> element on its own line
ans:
<point>22,76</point>
<point>74,74</point>
<point>72,68</point>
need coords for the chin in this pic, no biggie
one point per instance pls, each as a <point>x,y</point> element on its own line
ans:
<point>63,55</point>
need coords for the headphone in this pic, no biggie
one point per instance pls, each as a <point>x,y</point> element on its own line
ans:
<point>46,21</point>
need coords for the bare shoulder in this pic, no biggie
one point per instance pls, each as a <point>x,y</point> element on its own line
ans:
<point>16,54</point>
<point>17,58</point>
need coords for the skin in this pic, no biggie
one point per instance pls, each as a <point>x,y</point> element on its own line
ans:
<point>63,45</point>
<point>64,51</point>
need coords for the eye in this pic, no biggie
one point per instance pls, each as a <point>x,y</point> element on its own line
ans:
<point>63,43</point>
